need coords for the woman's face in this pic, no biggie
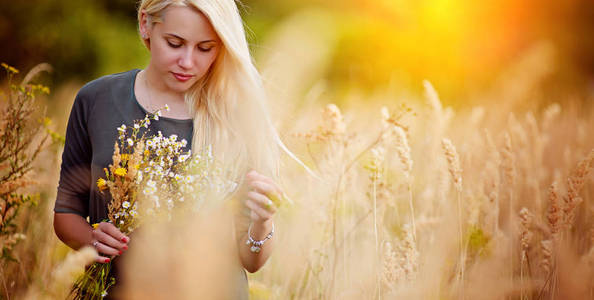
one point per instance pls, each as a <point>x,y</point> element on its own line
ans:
<point>183,47</point>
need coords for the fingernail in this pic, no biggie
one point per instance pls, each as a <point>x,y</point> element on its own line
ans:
<point>125,247</point>
<point>120,252</point>
<point>124,239</point>
<point>107,260</point>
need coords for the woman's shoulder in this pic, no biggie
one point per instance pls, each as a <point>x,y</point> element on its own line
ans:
<point>118,82</point>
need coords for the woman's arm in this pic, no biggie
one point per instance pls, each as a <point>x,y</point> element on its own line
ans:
<point>251,261</point>
<point>73,230</point>
<point>261,212</point>
<point>74,188</point>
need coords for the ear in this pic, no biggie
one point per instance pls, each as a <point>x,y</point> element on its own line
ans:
<point>144,27</point>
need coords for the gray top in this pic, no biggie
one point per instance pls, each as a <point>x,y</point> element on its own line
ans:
<point>99,108</point>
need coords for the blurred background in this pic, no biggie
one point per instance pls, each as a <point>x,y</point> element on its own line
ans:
<point>463,47</point>
<point>511,79</point>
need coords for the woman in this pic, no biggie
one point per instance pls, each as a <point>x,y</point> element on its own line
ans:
<point>201,68</point>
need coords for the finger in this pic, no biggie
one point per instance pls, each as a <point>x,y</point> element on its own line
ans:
<point>107,250</point>
<point>261,212</point>
<point>253,175</point>
<point>113,231</point>
<point>108,240</point>
<point>264,187</point>
<point>262,201</point>
<point>102,259</point>
<point>269,190</point>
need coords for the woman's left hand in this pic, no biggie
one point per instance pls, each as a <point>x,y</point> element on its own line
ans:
<point>260,197</point>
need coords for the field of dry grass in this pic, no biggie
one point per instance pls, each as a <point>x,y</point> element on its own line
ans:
<point>411,199</point>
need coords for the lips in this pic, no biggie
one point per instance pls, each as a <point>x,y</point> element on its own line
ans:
<point>182,77</point>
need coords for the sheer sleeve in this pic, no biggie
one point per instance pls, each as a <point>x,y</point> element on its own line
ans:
<point>75,174</point>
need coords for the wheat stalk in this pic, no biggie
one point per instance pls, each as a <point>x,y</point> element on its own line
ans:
<point>575,183</point>
<point>456,176</point>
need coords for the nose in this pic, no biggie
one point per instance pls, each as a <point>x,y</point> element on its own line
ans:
<point>186,60</point>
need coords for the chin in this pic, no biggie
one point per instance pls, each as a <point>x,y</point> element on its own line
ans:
<point>180,87</point>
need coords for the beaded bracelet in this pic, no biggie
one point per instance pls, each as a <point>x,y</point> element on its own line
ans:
<point>257,245</point>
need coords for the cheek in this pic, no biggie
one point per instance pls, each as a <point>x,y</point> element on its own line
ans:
<point>163,55</point>
<point>205,61</point>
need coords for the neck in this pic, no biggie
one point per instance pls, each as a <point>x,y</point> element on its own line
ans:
<point>157,86</point>
<point>157,94</point>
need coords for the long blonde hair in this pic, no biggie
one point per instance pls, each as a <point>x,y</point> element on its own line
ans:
<point>228,103</point>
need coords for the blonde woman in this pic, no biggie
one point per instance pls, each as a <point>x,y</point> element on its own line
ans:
<point>201,68</point>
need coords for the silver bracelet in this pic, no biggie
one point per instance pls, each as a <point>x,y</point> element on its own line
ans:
<point>257,245</point>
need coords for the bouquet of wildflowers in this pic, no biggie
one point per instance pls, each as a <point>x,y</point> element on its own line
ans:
<point>150,176</point>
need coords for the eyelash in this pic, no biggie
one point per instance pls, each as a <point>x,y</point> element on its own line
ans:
<point>173,45</point>
<point>179,45</point>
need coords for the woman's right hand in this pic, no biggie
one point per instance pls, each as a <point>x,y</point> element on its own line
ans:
<point>108,240</point>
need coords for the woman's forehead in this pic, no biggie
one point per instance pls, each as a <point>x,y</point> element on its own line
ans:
<point>187,23</point>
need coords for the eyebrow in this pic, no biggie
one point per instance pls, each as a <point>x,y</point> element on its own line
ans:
<point>181,38</point>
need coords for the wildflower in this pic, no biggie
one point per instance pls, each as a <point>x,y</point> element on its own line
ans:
<point>130,142</point>
<point>126,204</point>
<point>101,184</point>
<point>136,126</point>
<point>166,107</point>
<point>125,157</point>
<point>95,226</point>
<point>122,128</point>
<point>385,114</point>
<point>103,294</point>
<point>9,68</point>
<point>149,190</point>
<point>120,172</point>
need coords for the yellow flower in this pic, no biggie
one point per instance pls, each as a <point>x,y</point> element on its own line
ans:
<point>95,225</point>
<point>101,184</point>
<point>146,153</point>
<point>120,172</point>
<point>9,68</point>
<point>125,157</point>
<point>137,166</point>
<point>275,198</point>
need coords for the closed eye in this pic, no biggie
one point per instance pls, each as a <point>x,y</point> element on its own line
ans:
<point>173,45</point>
